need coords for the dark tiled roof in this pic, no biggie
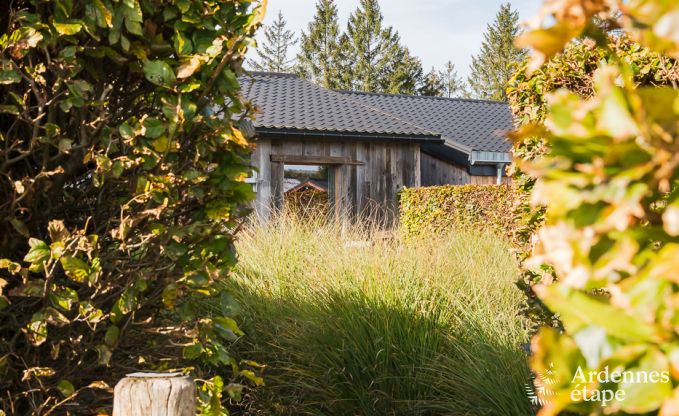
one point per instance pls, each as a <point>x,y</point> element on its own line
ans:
<point>475,124</point>
<point>290,103</point>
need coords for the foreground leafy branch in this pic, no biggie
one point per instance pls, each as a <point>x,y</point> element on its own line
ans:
<point>121,167</point>
<point>571,70</point>
<point>611,232</point>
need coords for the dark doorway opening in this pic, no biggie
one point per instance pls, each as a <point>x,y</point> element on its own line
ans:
<point>308,190</point>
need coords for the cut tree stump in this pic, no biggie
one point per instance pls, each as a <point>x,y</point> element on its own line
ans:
<point>155,394</point>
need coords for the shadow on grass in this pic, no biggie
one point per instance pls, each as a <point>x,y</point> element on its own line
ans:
<point>348,353</point>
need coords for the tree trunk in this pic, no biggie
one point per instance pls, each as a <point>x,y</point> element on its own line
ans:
<point>155,394</point>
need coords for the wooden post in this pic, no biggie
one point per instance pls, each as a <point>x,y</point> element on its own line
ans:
<point>155,394</point>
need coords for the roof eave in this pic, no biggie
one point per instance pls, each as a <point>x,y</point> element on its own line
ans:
<point>278,133</point>
<point>480,157</point>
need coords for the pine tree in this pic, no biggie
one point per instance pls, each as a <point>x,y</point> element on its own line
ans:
<point>453,85</point>
<point>432,84</point>
<point>492,68</point>
<point>370,49</point>
<point>273,53</point>
<point>405,74</point>
<point>345,64</point>
<point>319,55</point>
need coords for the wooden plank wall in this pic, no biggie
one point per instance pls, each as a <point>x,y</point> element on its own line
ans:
<point>369,185</point>
<point>437,172</point>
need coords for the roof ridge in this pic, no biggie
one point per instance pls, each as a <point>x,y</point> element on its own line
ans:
<point>429,97</point>
<point>273,74</point>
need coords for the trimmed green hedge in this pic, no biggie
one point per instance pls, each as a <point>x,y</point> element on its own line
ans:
<point>440,209</point>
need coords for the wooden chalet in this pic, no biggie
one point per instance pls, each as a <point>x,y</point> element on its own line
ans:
<point>374,145</point>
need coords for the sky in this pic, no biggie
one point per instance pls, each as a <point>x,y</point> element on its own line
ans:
<point>435,30</point>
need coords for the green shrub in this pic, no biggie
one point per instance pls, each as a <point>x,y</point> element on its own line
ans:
<point>441,209</point>
<point>120,190</point>
<point>383,328</point>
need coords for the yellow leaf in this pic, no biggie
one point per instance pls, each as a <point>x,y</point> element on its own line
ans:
<point>260,13</point>
<point>189,67</point>
<point>161,144</point>
<point>239,138</point>
<point>546,42</point>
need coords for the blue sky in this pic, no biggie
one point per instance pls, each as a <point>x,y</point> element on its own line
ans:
<point>434,30</point>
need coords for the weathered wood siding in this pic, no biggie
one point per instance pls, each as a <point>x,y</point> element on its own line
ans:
<point>367,175</point>
<point>437,172</point>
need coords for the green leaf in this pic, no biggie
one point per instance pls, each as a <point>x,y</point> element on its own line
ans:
<point>132,16</point>
<point>161,144</point>
<point>229,305</point>
<point>170,295</point>
<point>63,298</point>
<point>104,15</point>
<point>112,335</point>
<point>9,77</point>
<point>71,27</point>
<point>65,387</point>
<point>193,351</point>
<point>65,145</point>
<point>643,397</point>
<point>579,310</point>
<point>104,354</point>
<point>117,169</point>
<point>9,109</point>
<point>19,226</point>
<point>153,128</point>
<point>227,328</point>
<point>235,391</point>
<point>75,268</point>
<point>159,72</point>
<point>36,330</point>
<point>90,313</point>
<point>127,302</point>
<point>183,5</point>
<point>38,253</point>
<point>124,43</point>
<point>182,44</point>
<point>126,131</point>
<point>250,375</point>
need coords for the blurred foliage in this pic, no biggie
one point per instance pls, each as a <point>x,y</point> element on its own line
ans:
<point>608,185</point>
<point>573,69</point>
<point>436,210</point>
<point>121,167</point>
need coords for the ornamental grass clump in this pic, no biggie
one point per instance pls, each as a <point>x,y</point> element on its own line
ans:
<point>350,324</point>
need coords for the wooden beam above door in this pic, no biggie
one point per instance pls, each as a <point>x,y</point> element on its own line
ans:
<point>315,160</point>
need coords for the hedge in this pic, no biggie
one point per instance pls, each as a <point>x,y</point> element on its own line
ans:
<point>440,209</point>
